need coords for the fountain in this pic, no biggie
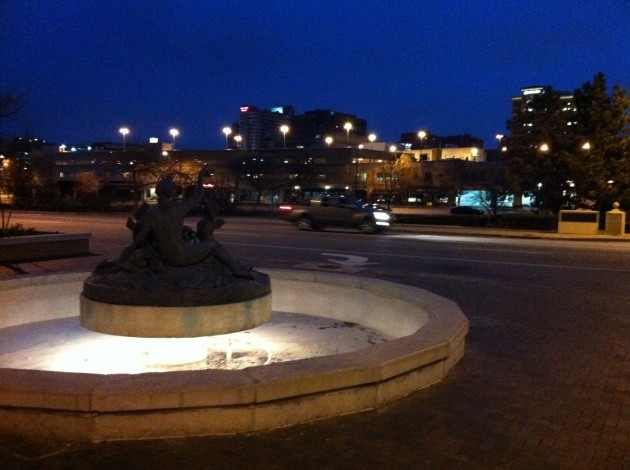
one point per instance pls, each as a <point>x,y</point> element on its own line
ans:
<point>82,357</point>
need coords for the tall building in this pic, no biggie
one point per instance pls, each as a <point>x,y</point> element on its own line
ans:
<point>260,128</point>
<point>522,105</point>
<point>311,129</point>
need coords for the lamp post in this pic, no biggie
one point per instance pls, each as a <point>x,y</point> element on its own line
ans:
<point>371,138</point>
<point>499,139</point>
<point>174,133</point>
<point>124,131</point>
<point>421,135</point>
<point>356,172</point>
<point>238,138</point>
<point>390,189</point>
<point>227,131</point>
<point>347,126</point>
<point>329,140</point>
<point>284,129</point>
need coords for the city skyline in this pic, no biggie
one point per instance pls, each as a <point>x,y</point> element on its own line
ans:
<point>88,70</point>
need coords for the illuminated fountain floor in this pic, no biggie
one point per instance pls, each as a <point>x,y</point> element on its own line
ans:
<point>63,345</point>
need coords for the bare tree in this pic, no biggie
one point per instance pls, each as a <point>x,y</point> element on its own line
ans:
<point>11,104</point>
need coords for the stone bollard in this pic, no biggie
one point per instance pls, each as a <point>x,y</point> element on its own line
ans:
<point>615,221</point>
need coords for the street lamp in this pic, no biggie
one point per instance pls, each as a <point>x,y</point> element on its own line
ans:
<point>586,146</point>
<point>284,129</point>
<point>421,135</point>
<point>372,138</point>
<point>238,139</point>
<point>124,131</point>
<point>499,139</point>
<point>356,175</point>
<point>347,126</point>
<point>544,148</point>
<point>174,133</point>
<point>393,149</point>
<point>227,131</point>
<point>329,140</point>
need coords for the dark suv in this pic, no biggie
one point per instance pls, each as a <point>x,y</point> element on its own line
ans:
<point>341,211</point>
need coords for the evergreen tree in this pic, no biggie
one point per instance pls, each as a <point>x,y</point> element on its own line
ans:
<point>601,168</point>
<point>572,152</point>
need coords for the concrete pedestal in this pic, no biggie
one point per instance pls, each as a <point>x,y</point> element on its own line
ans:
<point>615,221</point>
<point>174,322</point>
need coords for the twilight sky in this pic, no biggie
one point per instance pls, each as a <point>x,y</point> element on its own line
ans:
<point>448,66</point>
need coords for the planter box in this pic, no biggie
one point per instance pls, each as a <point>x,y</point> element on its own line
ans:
<point>30,248</point>
<point>581,222</point>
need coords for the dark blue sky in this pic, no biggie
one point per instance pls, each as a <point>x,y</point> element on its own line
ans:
<point>447,66</point>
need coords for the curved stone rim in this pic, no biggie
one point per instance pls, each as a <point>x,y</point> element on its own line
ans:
<point>75,406</point>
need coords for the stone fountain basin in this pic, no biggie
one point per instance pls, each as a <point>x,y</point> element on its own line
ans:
<point>429,336</point>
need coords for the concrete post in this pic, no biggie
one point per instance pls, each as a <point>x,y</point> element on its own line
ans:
<point>615,221</point>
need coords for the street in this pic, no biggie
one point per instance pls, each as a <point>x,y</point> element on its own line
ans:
<point>545,381</point>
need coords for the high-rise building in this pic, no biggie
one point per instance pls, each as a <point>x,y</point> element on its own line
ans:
<point>522,105</point>
<point>311,129</point>
<point>260,128</point>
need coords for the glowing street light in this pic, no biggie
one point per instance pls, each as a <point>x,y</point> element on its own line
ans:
<point>329,140</point>
<point>124,131</point>
<point>238,139</point>
<point>499,147</point>
<point>372,138</point>
<point>422,135</point>
<point>544,148</point>
<point>227,131</point>
<point>284,129</point>
<point>174,133</point>
<point>586,146</point>
<point>347,126</point>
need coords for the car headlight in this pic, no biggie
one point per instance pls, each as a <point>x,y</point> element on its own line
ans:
<point>381,216</point>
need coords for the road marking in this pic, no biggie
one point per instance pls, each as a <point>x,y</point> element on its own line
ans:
<point>350,260</point>
<point>348,264</point>
<point>446,259</point>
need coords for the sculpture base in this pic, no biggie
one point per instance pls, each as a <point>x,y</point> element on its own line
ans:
<point>174,322</point>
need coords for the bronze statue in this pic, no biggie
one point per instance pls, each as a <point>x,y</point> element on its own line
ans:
<point>158,231</point>
<point>168,263</point>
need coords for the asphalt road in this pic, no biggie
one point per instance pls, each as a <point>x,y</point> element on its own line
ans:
<point>544,383</point>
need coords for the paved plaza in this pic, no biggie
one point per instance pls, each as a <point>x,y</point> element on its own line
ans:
<point>533,390</point>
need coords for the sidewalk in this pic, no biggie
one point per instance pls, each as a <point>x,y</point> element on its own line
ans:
<point>544,386</point>
<point>505,233</point>
<point>492,232</point>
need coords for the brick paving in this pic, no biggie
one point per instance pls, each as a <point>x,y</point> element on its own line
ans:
<point>545,387</point>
